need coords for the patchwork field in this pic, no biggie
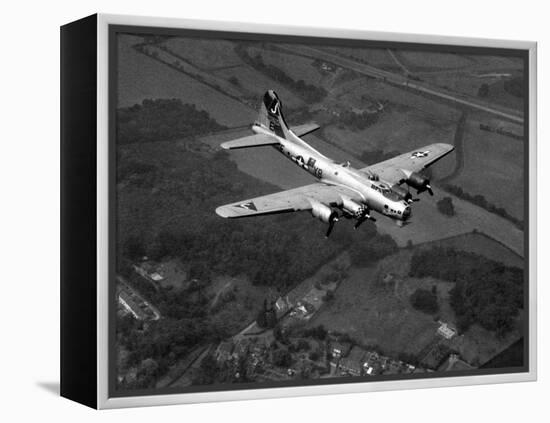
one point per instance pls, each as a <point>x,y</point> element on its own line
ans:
<point>420,60</point>
<point>373,306</point>
<point>256,85</point>
<point>374,56</point>
<point>296,67</point>
<point>376,315</point>
<point>141,77</point>
<point>205,53</point>
<point>493,167</point>
<point>481,244</point>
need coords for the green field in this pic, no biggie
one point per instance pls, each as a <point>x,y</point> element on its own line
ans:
<point>419,60</point>
<point>295,66</point>
<point>481,244</point>
<point>374,56</point>
<point>141,77</point>
<point>372,305</point>
<point>493,167</point>
<point>205,53</point>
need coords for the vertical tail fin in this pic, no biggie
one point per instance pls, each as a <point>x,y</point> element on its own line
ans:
<point>271,115</point>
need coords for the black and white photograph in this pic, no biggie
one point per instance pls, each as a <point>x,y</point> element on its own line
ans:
<point>254,211</point>
<point>294,211</point>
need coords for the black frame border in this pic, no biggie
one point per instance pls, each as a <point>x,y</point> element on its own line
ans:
<point>78,211</point>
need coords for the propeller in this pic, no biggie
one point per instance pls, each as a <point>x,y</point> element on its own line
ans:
<point>363,217</point>
<point>426,187</point>
<point>409,198</point>
<point>333,219</point>
<point>429,188</point>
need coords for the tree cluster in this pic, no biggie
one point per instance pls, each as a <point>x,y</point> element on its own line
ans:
<point>483,90</point>
<point>310,93</point>
<point>161,120</point>
<point>358,121</point>
<point>446,206</point>
<point>425,301</point>
<point>486,292</point>
<point>515,86</point>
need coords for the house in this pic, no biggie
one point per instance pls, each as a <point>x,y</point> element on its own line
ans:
<point>224,350</point>
<point>446,331</point>
<point>373,363</point>
<point>148,271</point>
<point>241,349</point>
<point>282,306</point>
<point>353,363</point>
<point>340,349</point>
<point>129,305</point>
<point>303,310</point>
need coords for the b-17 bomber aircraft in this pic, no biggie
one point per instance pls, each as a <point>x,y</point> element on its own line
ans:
<point>341,190</point>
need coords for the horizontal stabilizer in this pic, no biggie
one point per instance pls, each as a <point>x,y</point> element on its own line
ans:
<point>257,140</point>
<point>305,129</point>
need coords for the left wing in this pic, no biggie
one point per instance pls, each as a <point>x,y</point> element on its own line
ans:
<point>291,200</point>
<point>394,171</point>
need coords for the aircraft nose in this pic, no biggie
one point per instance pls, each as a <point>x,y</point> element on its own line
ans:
<point>406,213</point>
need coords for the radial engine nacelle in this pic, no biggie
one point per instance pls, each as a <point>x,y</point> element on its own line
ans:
<point>418,181</point>
<point>353,208</point>
<point>324,214</point>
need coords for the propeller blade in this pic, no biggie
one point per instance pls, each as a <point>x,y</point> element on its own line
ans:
<point>331,226</point>
<point>362,219</point>
<point>429,188</point>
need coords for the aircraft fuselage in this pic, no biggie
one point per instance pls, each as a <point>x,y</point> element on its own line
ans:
<point>375,195</point>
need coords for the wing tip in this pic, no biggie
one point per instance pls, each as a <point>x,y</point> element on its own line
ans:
<point>446,146</point>
<point>222,211</point>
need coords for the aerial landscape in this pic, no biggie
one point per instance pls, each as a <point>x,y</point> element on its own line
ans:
<point>210,303</point>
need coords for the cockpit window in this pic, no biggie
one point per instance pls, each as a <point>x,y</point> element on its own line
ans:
<point>388,193</point>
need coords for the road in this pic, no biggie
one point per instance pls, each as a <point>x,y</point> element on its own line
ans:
<point>405,82</point>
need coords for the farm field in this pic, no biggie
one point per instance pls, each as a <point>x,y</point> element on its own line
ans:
<point>493,167</point>
<point>422,60</point>
<point>374,56</point>
<point>373,306</point>
<point>481,244</point>
<point>204,53</point>
<point>141,77</point>
<point>469,83</point>
<point>408,133</point>
<point>440,114</point>
<point>296,67</point>
<point>256,84</point>
<point>377,312</point>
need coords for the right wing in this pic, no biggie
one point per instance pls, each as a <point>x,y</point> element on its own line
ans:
<point>304,129</point>
<point>393,171</point>
<point>291,200</point>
